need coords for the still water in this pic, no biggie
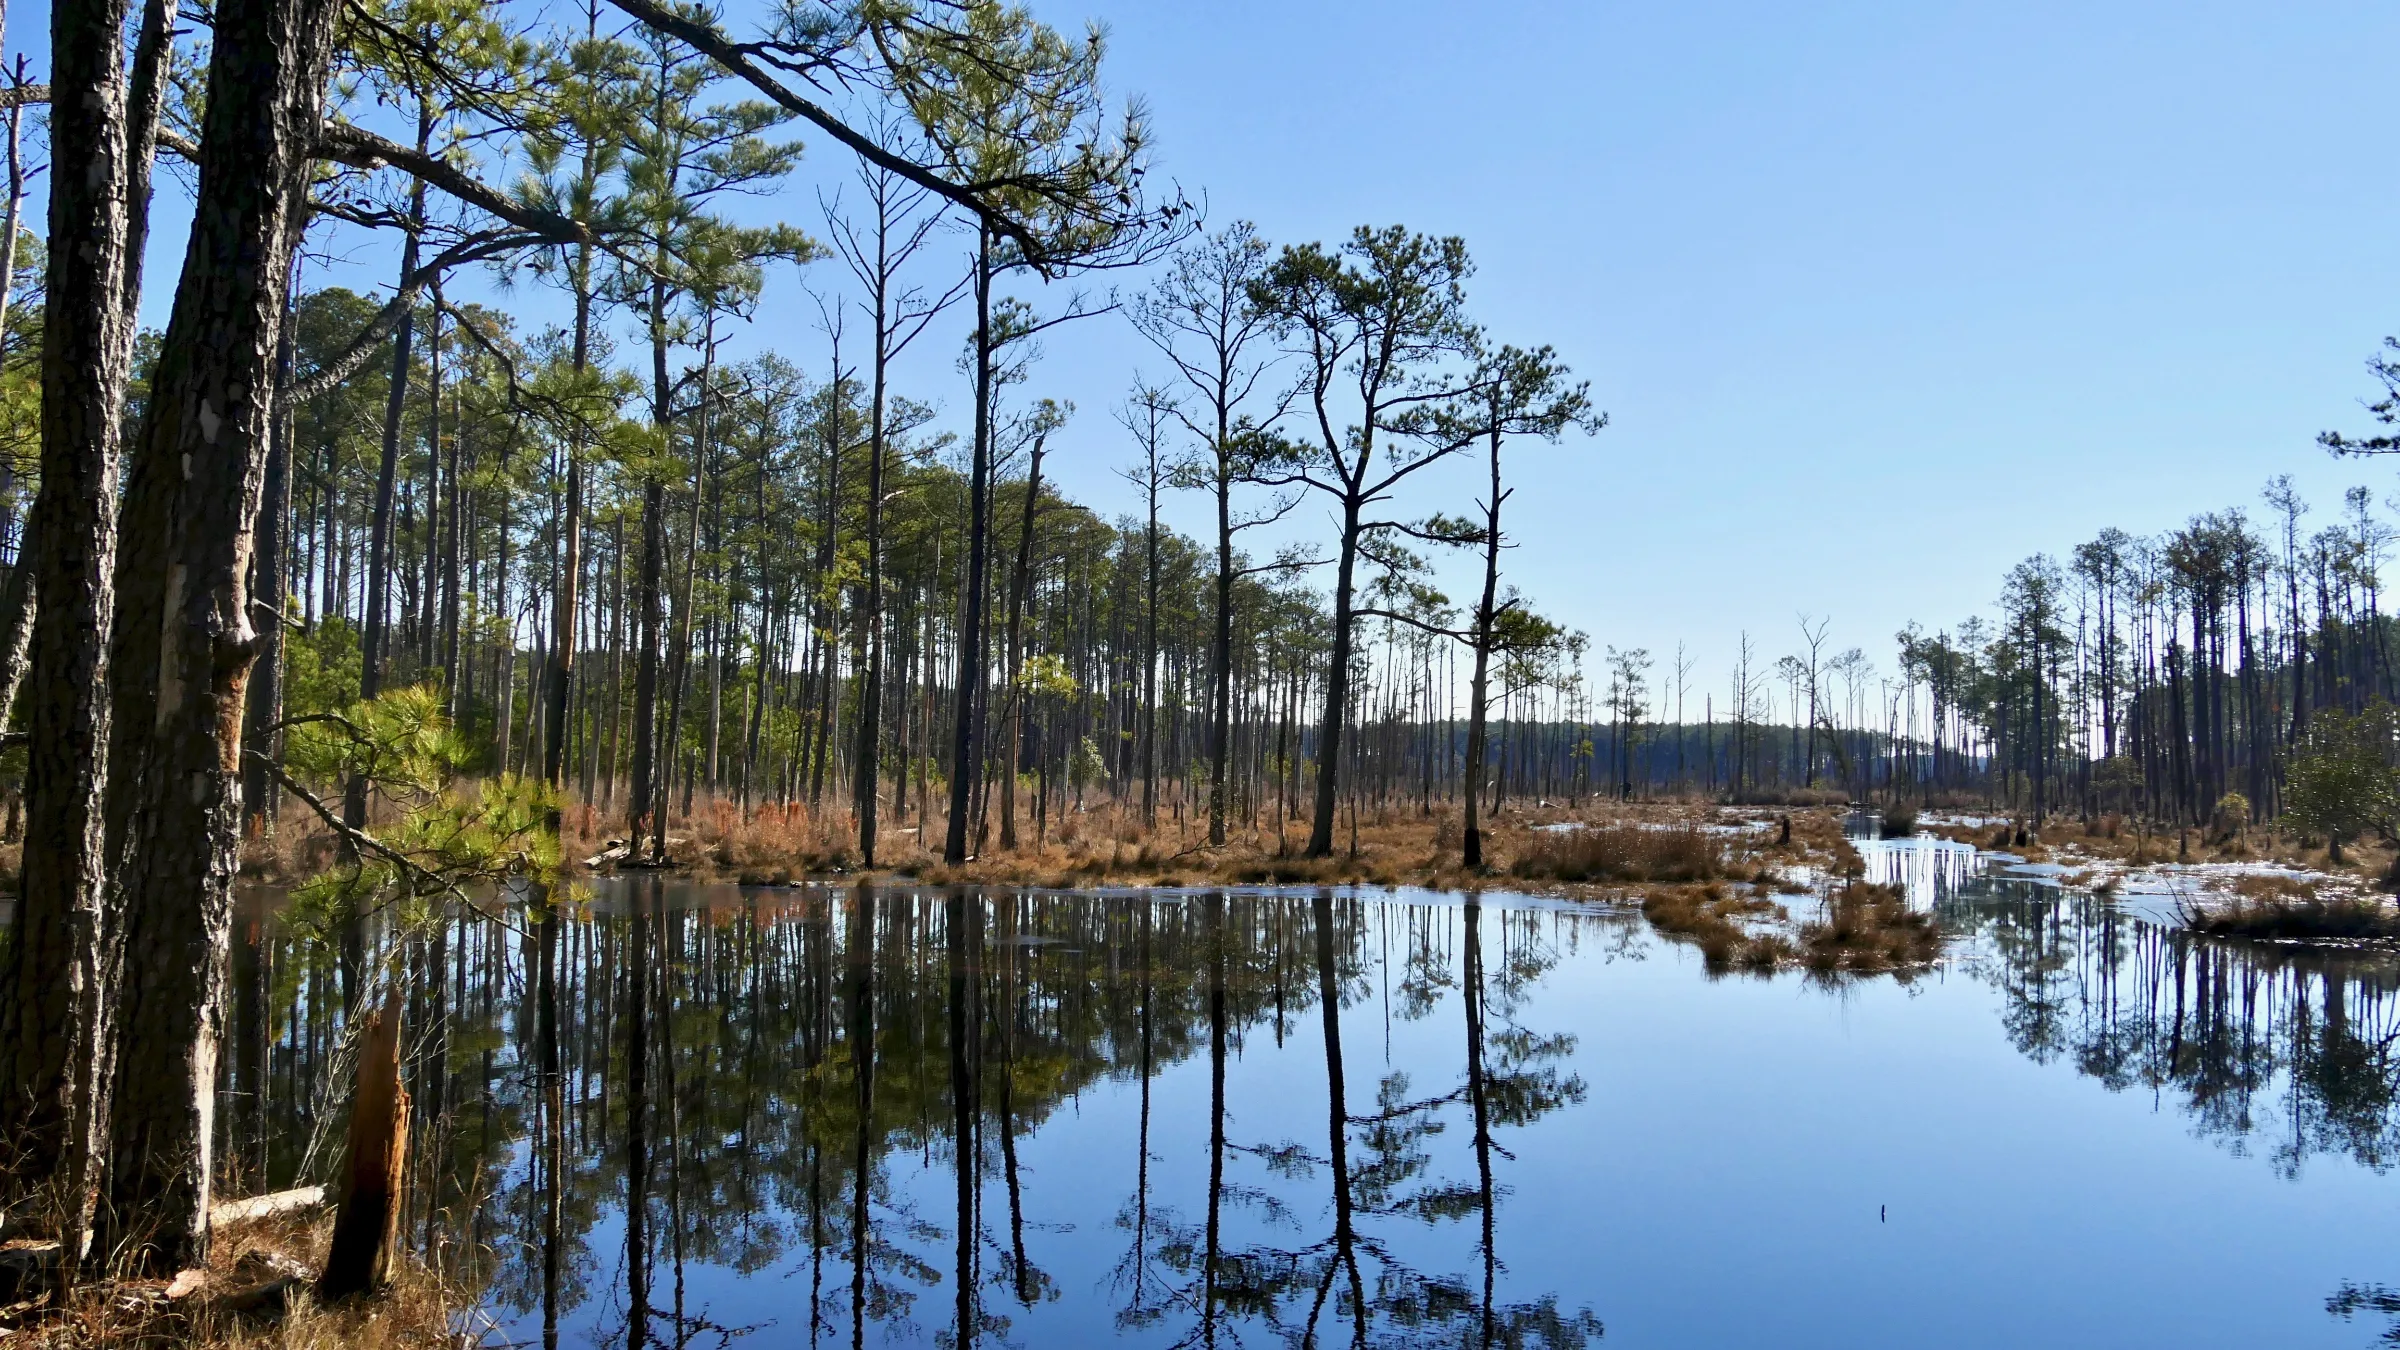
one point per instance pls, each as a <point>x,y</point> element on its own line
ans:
<point>698,1114</point>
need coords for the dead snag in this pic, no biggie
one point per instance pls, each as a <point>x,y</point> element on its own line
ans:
<point>374,1165</point>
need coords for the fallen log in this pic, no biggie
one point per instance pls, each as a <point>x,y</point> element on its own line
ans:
<point>27,1267</point>
<point>620,853</point>
<point>273,1205</point>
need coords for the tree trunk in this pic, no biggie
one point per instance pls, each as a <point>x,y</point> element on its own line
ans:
<point>54,1022</point>
<point>681,664</point>
<point>184,642</point>
<point>1337,688</point>
<point>1479,687</point>
<point>271,583</point>
<point>870,711</point>
<point>1220,655</point>
<point>374,631</point>
<point>559,678</point>
<point>1150,660</point>
<point>374,1175</point>
<point>646,796</point>
<point>1014,675</point>
<point>966,737</point>
<point>17,604</point>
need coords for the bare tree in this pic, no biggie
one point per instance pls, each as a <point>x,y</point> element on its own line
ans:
<point>1205,315</point>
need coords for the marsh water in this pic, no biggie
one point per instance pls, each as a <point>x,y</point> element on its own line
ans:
<point>690,1115</point>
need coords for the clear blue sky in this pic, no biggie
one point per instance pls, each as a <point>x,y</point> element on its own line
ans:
<point>1879,298</point>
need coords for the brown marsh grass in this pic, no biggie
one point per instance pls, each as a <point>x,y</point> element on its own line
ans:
<point>1712,888</point>
<point>1866,928</point>
<point>1711,917</point>
<point>1621,853</point>
<point>2276,907</point>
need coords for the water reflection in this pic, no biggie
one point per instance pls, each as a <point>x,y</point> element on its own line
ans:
<point>2283,1052</point>
<point>1927,869</point>
<point>897,1116</point>
<point>693,1114</point>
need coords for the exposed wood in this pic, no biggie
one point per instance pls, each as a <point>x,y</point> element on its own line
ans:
<point>226,1213</point>
<point>374,1173</point>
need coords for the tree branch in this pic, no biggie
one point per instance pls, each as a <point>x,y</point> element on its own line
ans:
<point>366,843</point>
<point>1461,634</point>
<point>708,40</point>
<point>362,149</point>
<point>362,348</point>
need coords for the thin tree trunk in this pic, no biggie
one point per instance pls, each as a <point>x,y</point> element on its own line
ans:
<point>647,797</point>
<point>1019,583</point>
<point>1337,688</point>
<point>966,737</point>
<point>681,664</point>
<point>273,584</point>
<point>1479,685</point>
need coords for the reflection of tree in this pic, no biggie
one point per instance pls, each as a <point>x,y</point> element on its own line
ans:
<point>2350,1300</point>
<point>760,1083</point>
<point>1380,1174</point>
<point>2258,1046</point>
<point>860,948</point>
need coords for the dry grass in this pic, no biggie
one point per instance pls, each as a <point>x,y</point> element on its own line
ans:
<point>418,1310</point>
<point>1712,917</point>
<point>1706,886</point>
<point>1868,928</point>
<point>1798,797</point>
<point>1107,844</point>
<point>2272,906</point>
<point>2112,837</point>
<point>1620,853</point>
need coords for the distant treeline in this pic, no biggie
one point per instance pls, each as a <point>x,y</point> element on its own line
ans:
<point>2163,674</point>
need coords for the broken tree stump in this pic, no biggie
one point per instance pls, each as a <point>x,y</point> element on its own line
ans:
<point>374,1172</point>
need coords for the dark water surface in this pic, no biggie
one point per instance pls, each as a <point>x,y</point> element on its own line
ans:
<point>712,1114</point>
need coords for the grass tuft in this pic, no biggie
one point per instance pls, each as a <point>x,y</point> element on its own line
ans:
<point>1621,853</point>
<point>1868,928</point>
<point>2285,908</point>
